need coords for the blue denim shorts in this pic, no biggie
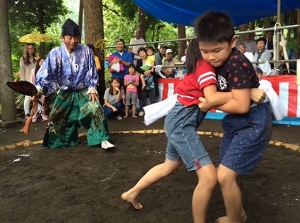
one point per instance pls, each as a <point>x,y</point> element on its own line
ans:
<point>246,138</point>
<point>184,143</point>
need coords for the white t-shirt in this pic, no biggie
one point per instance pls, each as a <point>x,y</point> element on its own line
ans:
<point>136,47</point>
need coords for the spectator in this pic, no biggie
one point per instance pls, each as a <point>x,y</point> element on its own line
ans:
<point>27,63</point>
<point>70,71</point>
<point>276,107</point>
<point>96,58</point>
<point>40,108</point>
<point>263,56</point>
<point>250,43</point>
<point>131,81</point>
<point>169,72</point>
<point>292,55</point>
<point>242,48</point>
<point>136,40</point>
<point>149,65</point>
<point>151,82</point>
<point>101,84</point>
<point>122,57</point>
<point>269,40</point>
<point>113,106</point>
<point>159,56</point>
<point>183,58</point>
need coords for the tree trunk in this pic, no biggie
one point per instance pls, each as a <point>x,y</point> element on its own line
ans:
<point>242,36</point>
<point>80,19</point>
<point>142,23</point>
<point>267,22</point>
<point>94,33</point>
<point>41,22</point>
<point>7,96</point>
<point>181,44</point>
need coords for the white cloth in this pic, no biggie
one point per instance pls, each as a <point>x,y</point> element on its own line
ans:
<point>266,68</point>
<point>277,107</point>
<point>249,55</point>
<point>158,110</point>
<point>183,59</point>
<point>158,71</point>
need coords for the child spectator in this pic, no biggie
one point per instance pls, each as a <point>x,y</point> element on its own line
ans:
<point>272,98</point>
<point>131,82</point>
<point>149,65</point>
<point>40,109</point>
<point>113,105</point>
<point>150,57</point>
<point>151,90</point>
<point>247,126</point>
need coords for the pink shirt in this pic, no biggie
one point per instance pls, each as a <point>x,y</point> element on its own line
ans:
<point>129,78</point>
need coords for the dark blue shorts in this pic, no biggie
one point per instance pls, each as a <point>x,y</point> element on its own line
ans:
<point>246,137</point>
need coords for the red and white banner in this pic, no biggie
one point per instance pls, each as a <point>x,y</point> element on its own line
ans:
<point>285,86</point>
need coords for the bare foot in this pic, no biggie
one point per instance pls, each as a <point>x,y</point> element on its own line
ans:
<point>144,87</point>
<point>134,116</point>
<point>126,116</point>
<point>126,196</point>
<point>224,219</point>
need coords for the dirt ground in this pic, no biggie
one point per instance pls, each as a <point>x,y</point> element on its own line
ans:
<point>83,184</point>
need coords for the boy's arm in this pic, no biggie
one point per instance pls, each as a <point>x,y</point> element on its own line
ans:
<point>257,95</point>
<point>239,104</point>
<point>215,98</point>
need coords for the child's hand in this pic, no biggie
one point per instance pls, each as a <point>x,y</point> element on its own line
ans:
<point>203,105</point>
<point>114,109</point>
<point>257,95</point>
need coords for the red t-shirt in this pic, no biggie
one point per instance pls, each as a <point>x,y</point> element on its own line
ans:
<point>191,87</point>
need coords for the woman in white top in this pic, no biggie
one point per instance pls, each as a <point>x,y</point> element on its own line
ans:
<point>27,63</point>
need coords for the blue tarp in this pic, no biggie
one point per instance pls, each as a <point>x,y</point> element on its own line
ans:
<point>184,12</point>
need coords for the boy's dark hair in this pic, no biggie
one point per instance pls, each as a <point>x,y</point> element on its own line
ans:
<point>214,27</point>
<point>193,54</point>
<point>262,39</point>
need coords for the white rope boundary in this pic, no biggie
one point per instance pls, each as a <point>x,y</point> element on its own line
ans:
<point>28,143</point>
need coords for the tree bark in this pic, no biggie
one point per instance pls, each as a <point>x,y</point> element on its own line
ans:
<point>142,23</point>
<point>7,96</point>
<point>94,31</point>
<point>80,19</point>
<point>181,44</point>
<point>242,37</point>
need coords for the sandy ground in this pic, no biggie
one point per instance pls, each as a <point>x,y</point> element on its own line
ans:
<point>84,184</point>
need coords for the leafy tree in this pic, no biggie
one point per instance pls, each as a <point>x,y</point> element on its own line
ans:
<point>34,15</point>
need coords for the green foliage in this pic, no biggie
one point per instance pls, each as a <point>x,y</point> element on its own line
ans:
<point>129,9</point>
<point>121,19</point>
<point>33,15</point>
